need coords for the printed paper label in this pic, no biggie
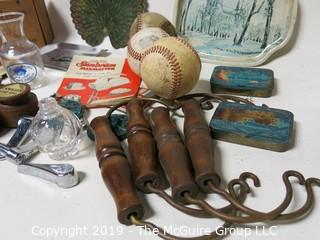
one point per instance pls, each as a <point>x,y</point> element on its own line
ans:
<point>22,72</point>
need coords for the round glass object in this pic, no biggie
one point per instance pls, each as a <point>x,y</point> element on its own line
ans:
<point>56,130</point>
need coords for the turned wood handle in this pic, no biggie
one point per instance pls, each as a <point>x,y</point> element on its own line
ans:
<point>173,155</point>
<point>142,148</point>
<point>115,171</point>
<point>199,144</point>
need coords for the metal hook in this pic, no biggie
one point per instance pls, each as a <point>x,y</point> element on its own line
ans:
<point>198,212</point>
<point>256,216</point>
<point>175,104</point>
<point>172,106</point>
<point>286,175</point>
<point>243,178</point>
<point>190,211</point>
<point>307,207</point>
<point>205,99</point>
<point>248,175</point>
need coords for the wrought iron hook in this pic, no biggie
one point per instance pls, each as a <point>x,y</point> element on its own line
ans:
<point>199,212</point>
<point>257,216</point>
<point>205,99</point>
<point>172,106</point>
<point>248,175</point>
<point>256,181</point>
<point>175,104</point>
<point>243,180</point>
<point>307,207</point>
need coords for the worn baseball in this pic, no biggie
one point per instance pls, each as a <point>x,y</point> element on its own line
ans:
<point>151,19</point>
<point>170,68</point>
<point>139,43</point>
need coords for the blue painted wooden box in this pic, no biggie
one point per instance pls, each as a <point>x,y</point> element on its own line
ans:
<point>251,125</point>
<point>255,82</point>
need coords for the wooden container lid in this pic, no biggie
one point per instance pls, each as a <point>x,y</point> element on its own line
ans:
<point>14,94</point>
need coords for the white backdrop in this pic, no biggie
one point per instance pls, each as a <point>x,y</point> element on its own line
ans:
<point>29,207</point>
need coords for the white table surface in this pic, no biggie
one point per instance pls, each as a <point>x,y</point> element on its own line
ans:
<point>31,208</point>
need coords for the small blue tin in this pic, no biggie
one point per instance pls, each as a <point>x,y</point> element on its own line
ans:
<point>256,82</point>
<point>255,126</point>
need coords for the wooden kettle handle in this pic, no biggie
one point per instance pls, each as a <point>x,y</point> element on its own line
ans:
<point>199,144</point>
<point>115,171</point>
<point>142,148</point>
<point>173,155</point>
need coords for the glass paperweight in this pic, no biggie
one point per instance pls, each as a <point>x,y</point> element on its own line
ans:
<point>20,57</point>
<point>56,130</point>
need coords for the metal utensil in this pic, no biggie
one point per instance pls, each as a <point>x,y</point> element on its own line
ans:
<point>19,135</point>
<point>64,175</point>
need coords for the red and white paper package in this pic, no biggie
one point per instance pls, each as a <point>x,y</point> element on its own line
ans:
<point>99,81</point>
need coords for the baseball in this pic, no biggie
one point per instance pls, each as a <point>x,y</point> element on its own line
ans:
<point>170,68</point>
<point>139,43</point>
<point>151,19</point>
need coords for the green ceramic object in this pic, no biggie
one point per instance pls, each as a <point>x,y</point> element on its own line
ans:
<point>97,19</point>
<point>119,123</point>
<point>73,106</point>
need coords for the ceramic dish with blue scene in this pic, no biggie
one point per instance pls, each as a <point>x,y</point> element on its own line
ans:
<point>236,32</point>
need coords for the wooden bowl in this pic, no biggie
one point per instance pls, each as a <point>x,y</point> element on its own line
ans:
<point>10,114</point>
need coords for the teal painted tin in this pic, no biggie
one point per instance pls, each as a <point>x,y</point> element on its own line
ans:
<point>256,82</point>
<point>255,126</point>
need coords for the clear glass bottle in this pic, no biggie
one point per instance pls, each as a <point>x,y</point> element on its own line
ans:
<point>56,130</point>
<point>20,57</point>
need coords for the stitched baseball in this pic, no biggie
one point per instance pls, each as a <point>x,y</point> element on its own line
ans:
<point>170,68</point>
<point>152,19</point>
<point>139,43</point>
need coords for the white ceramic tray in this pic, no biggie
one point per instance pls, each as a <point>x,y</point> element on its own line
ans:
<point>236,32</point>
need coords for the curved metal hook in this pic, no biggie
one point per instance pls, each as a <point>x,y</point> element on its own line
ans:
<point>243,180</point>
<point>256,181</point>
<point>205,99</point>
<point>235,99</point>
<point>197,212</point>
<point>234,183</point>
<point>175,104</point>
<point>190,211</point>
<point>172,106</point>
<point>254,216</point>
<point>249,175</point>
<point>307,207</point>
